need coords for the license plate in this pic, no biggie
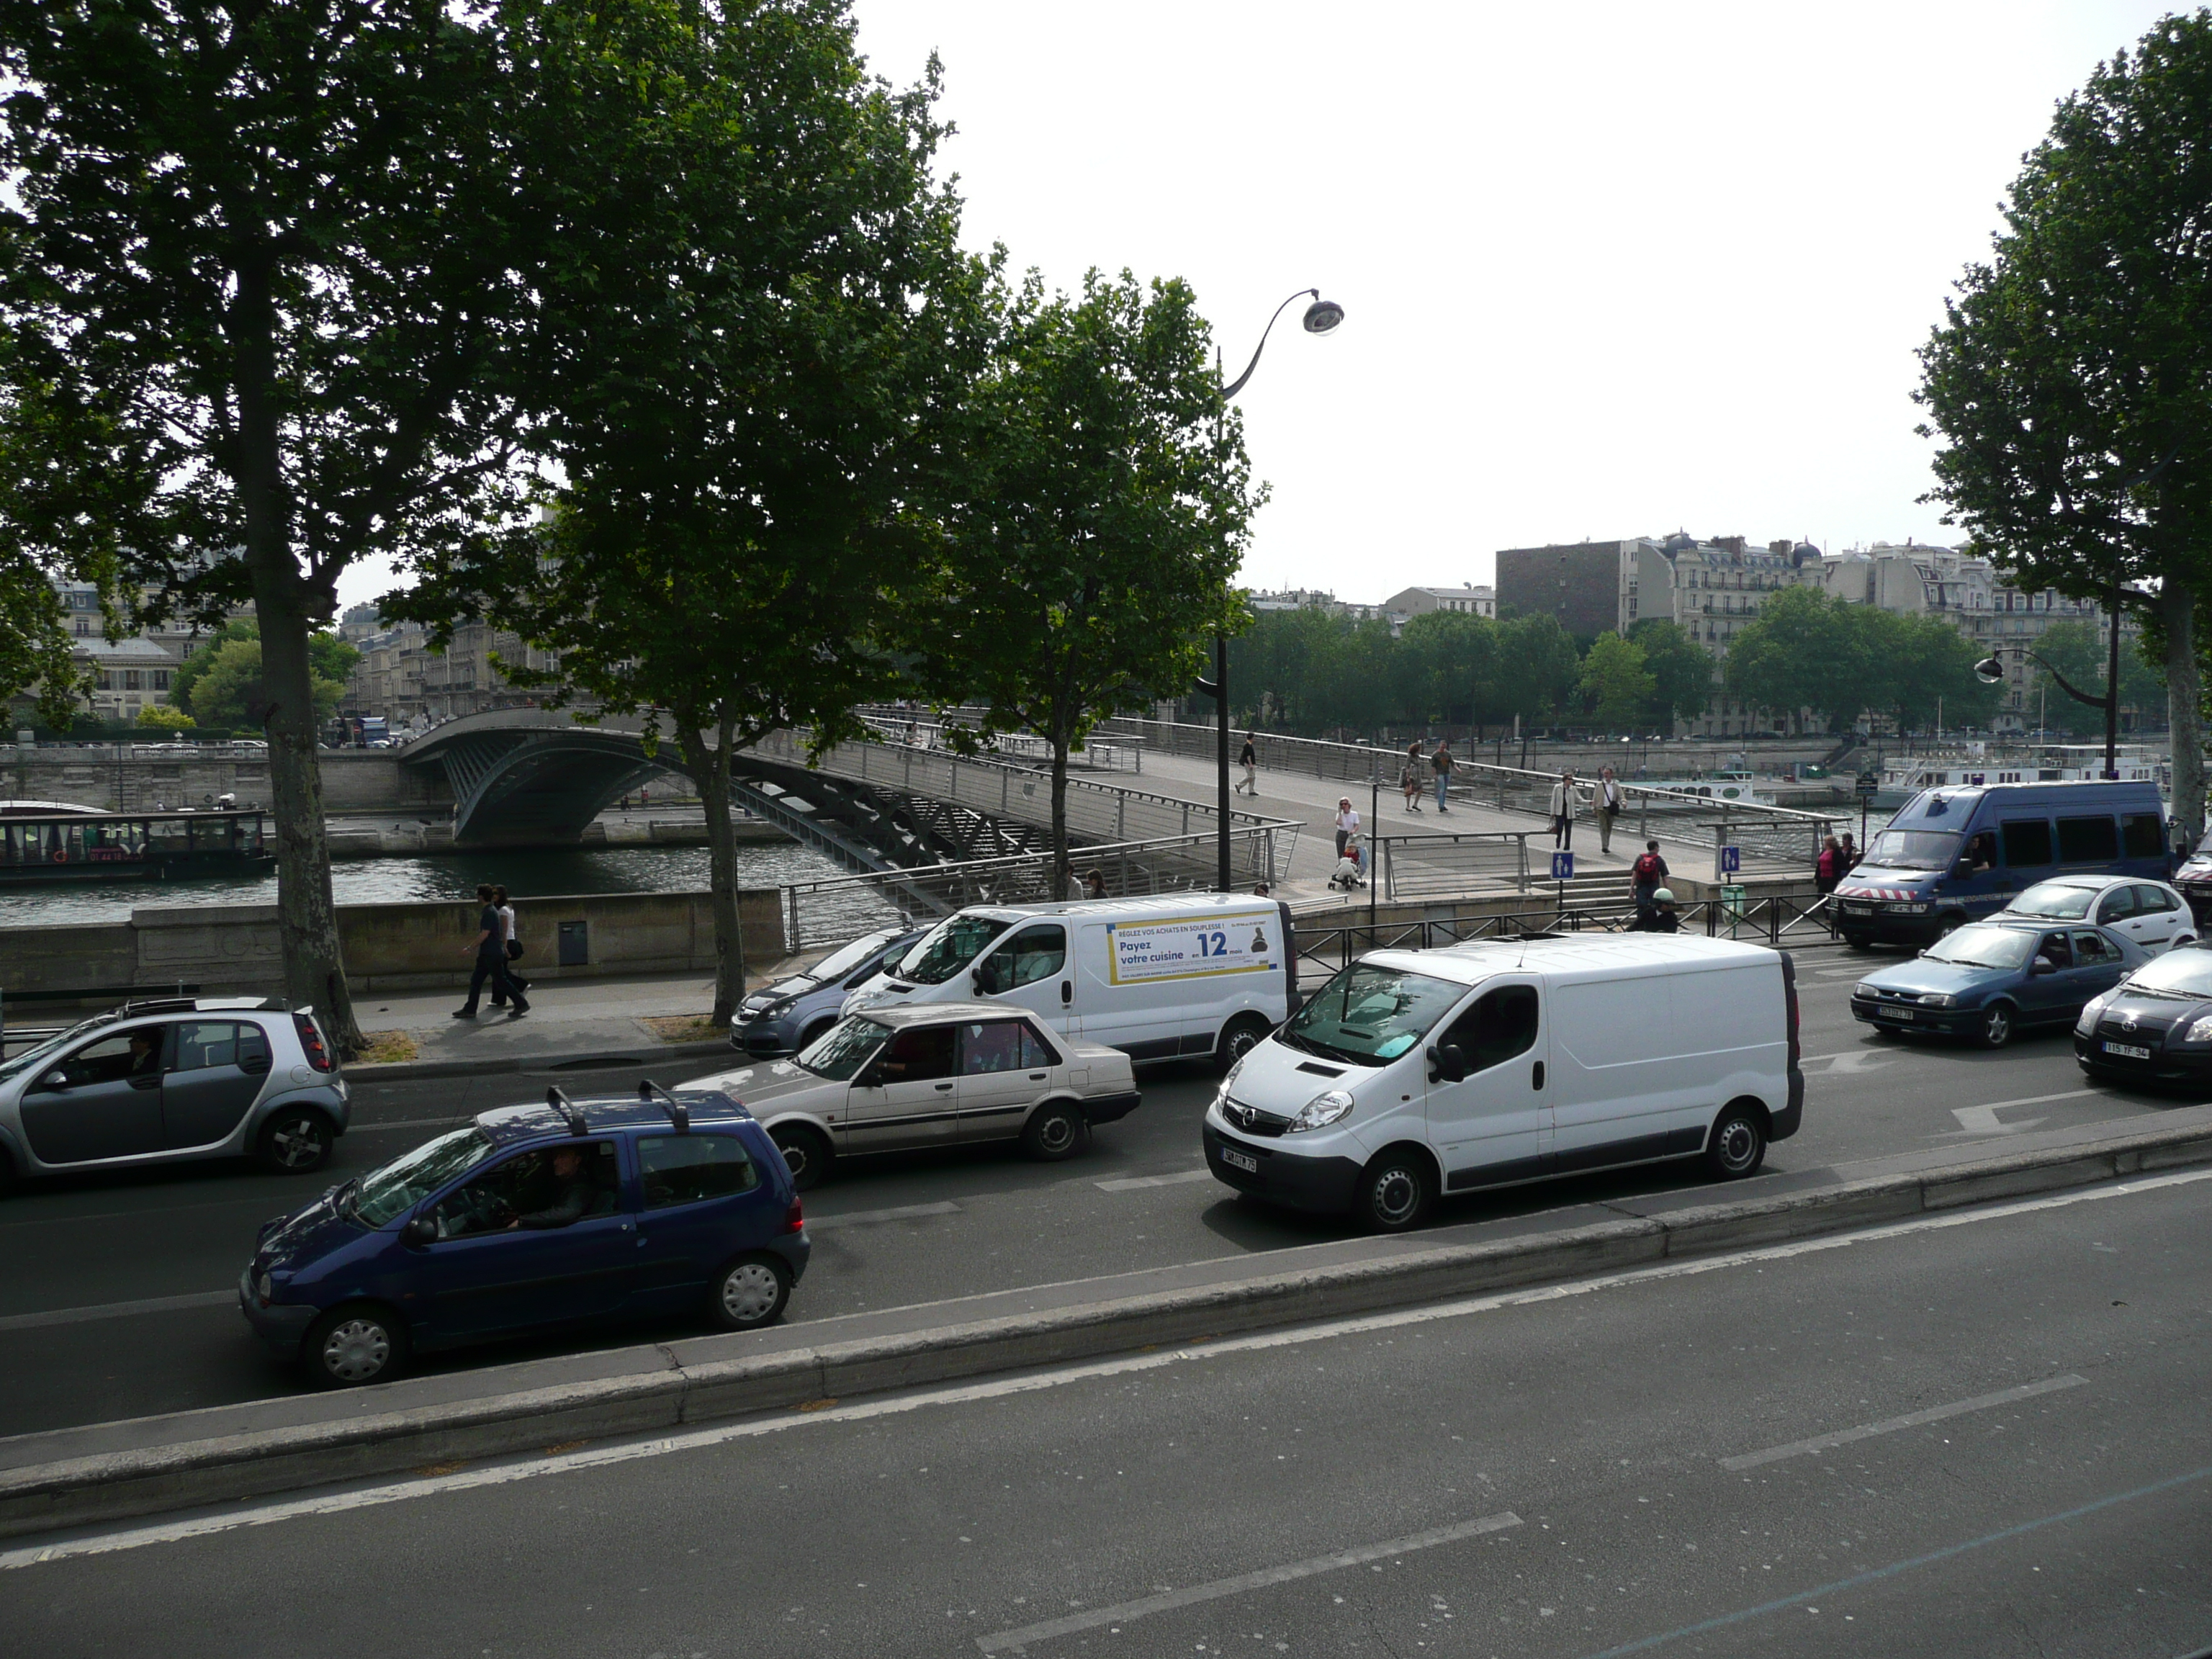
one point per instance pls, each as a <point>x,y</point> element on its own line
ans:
<point>2127,1050</point>
<point>1857,909</point>
<point>1894,1014</point>
<point>1238,1161</point>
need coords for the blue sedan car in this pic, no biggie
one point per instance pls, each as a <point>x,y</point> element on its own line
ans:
<point>570,1213</point>
<point>1989,980</point>
<point>785,1017</point>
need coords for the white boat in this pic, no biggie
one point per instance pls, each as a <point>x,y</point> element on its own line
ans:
<point>1728,783</point>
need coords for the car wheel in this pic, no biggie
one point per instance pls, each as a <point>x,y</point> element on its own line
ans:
<point>296,1141</point>
<point>1948,925</point>
<point>1738,1144</point>
<point>1397,1191</point>
<point>1860,945</point>
<point>1054,1132</point>
<point>1239,1038</point>
<point>751,1293</point>
<point>811,1035</point>
<point>2182,941</point>
<point>806,1154</point>
<point>1998,1020</point>
<point>349,1347</point>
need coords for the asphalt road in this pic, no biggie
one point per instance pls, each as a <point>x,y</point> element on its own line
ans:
<point>79,1341</point>
<point>1974,1434</point>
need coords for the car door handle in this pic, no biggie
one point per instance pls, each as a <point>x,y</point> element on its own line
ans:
<point>146,1082</point>
<point>1067,992</point>
<point>1536,1077</point>
<point>942,1087</point>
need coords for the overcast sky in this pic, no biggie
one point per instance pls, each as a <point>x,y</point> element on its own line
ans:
<point>1609,270</point>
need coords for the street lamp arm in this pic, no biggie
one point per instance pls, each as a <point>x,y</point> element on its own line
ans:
<point>2065,685</point>
<point>1238,384</point>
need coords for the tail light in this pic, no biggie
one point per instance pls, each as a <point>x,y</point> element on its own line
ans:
<point>311,1039</point>
<point>795,1216</point>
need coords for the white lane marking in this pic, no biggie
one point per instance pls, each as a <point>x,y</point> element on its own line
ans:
<point>1983,1120</point>
<point>1003,1388</point>
<point>1980,1402</point>
<point>1015,1640</point>
<point>31,1321</point>
<point>1859,1061</point>
<point>1131,1183</point>
<point>862,1217</point>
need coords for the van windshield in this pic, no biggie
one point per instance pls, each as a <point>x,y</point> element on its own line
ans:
<point>2062,901</point>
<point>954,944</point>
<point>1914,849</point>
<point>1370,1015</point>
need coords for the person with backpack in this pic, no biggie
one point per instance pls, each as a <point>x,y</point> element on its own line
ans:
<point>1646,876</point>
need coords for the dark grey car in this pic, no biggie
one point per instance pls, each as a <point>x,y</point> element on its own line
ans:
<point>174,1080</point>
<point>784,1017</point>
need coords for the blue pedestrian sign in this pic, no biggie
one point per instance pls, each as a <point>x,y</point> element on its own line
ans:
<point>1563,866</point>
<point>1731,860</point>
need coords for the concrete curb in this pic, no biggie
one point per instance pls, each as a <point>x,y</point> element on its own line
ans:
<point>167,1474</point>
<point>402,1070</point>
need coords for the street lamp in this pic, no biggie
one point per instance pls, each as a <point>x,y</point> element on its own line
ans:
<point>1990,670</point>
<point>1322,317</point>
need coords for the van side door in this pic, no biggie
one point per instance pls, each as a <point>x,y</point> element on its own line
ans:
<point>1494,1125</point>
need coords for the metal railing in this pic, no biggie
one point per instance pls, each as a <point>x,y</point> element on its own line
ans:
<point>841,908</point>
<point>1099,754</point>
<point>1435,866</point>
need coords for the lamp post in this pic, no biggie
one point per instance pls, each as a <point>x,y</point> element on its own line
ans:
<point>1322,318</point>
<point>1990,670</point>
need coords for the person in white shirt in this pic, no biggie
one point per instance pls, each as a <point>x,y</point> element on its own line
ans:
<point>1348,823</point>
<point>1566,796</point>
<point>510,944</point>
<point>1610,804</point>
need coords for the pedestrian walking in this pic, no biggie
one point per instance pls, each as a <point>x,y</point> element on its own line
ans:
<point>1094,884</point>
<point>1611,803</point>
<point>1851,856</point>
<point>1646,876</point>
<point>1348,823</point>
<point>1248,758</point>
<point>490,948</point>
<point>1409,775</point>
<point>1827,871</point>
<point>1441,764</point>
<point>1566,796</point>
<point>511,944</point>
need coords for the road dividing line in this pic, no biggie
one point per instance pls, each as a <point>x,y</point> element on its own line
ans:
<point>1015,1641</point>
<point>1981,1402</point>
<point>863,1218</point>
<point>33,1321</point>
<point>1131,1183</point>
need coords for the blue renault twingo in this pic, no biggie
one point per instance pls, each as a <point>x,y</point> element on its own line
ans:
<point>570,1213</point>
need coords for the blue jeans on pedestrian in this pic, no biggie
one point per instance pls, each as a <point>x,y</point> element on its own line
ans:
<point>491,965</point>
<point>1443,782</point>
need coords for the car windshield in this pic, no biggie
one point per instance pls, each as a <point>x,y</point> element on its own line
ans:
<point>34,1056</point>
<point>1980,947</point>
<point>843,1049</point>
<point>954,944</point>
<point>1370,1014</point>
<point>387,1194</point>
<point>1914,849</point>
<point>2063,900</point>
<point>2185,973</point>
<point>840,963</point>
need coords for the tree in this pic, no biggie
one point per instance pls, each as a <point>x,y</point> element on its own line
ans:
<point>1093,548</point>
<point>1537,667</point>
<point>230,691</point>
<point>1440,667</point>
<point>258,269</point>
<point>2071,380</point>
<point>756,342</point>
<point>1926,668</point>
<point>1615,686</point>
<point>1681,672</point>
<point>2076,651</point>
<point>165,717</point>
<point>1804,649</point>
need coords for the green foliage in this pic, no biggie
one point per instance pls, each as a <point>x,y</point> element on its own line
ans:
<point>2076,650</point>
<point>1681,672</point>
<point>162,717</point>
<point>229,689</point>
<point>1615,687</point>
<point>188,672</point>
<point>1808,650</point>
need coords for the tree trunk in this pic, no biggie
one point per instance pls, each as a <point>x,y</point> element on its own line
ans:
<point>1059,860</point>
<point>307,916</point>
<point>2177,603</point>
<point>710,768</point>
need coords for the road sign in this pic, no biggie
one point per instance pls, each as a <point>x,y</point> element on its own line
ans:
<point>1869,785</point>
<point>1563,866</point>
<point>1731,860</point>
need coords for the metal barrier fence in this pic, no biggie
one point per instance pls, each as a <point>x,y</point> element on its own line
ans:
<point>841,908</point>
<point>1436,867</point>
<point>1100,755</point>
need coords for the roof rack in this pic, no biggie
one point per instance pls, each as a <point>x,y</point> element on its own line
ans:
<point>680,1115</point>
<point>568,1109</point>
<point>157,1005</point>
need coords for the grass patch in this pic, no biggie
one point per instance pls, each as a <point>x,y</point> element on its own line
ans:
<point>684,1028</point>
<point>385,1049</point>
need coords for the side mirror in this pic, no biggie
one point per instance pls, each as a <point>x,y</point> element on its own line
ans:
<point>1450,1062</point>
<point>423,1230</point>
<point>870,1077</point>
<point>986,979</point>
<point>2041,966</point>
<point>54,1080</point>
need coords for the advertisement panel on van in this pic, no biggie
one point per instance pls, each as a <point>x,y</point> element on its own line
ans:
<point>1201,947</point>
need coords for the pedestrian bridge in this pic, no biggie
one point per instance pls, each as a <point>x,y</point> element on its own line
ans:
<point>534,776</point>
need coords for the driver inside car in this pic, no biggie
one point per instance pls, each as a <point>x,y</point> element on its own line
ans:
<point>563,1193</point>
<point>541,1190</point>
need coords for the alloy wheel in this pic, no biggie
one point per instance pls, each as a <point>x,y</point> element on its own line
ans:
<point>297,1143</point>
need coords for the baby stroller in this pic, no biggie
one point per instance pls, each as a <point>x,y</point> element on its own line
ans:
<point>1350,872</point>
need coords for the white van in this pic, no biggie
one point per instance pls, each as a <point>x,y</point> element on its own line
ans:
<point>1414,1074</point>
<point>1176,973</point>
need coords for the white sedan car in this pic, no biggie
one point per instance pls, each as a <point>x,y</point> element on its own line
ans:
<point>2149,913</point>
<point>943,1074</point>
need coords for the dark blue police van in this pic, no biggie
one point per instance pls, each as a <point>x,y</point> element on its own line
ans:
<point>1953,855</point>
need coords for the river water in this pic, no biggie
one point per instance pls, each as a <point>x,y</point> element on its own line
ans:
<point>532,874</point>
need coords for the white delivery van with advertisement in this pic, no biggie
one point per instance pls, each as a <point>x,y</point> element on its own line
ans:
<point>1176,973</point>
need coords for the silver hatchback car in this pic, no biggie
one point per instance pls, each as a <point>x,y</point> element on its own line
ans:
<point>173,1080</point>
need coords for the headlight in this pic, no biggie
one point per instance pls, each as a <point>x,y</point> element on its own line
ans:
<point>1937,1000</point>
<point>261,1287</point>
<point>1864,989</point>
<point>771,1009</point>
<point>2201,1031</point>
<point>1321,1111</point>
<point>1228,1080</point>
<point>2091,1009</point>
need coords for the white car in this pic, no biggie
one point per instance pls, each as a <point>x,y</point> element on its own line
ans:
<point>939,1074</point>
<point>2149,913</point>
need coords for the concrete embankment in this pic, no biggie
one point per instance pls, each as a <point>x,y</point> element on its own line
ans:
<point>108,1472</point>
